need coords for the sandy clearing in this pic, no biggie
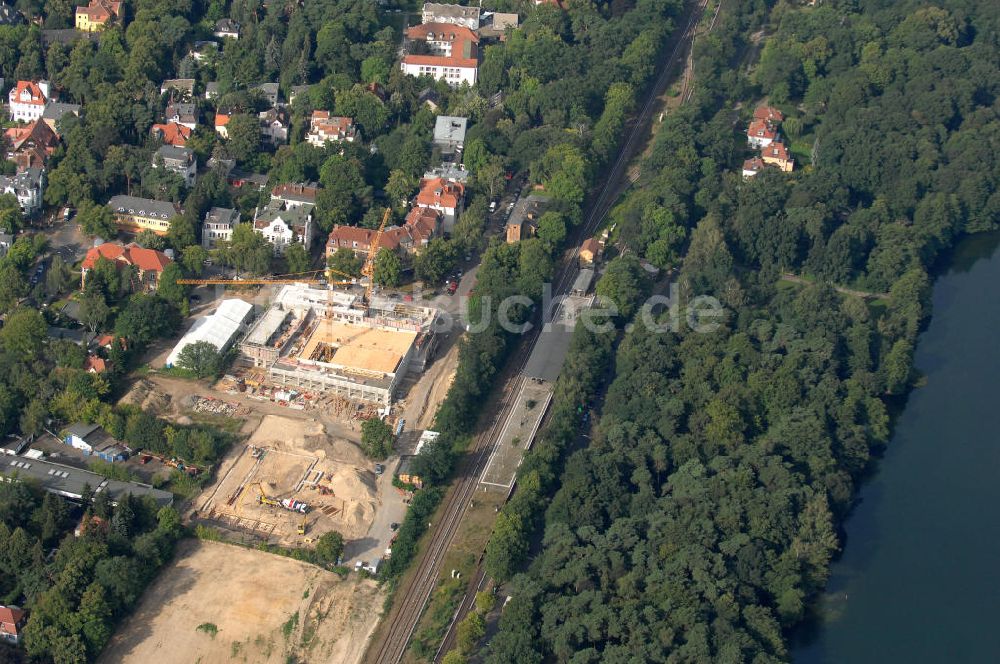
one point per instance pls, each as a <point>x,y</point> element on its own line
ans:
<point>249,596</point>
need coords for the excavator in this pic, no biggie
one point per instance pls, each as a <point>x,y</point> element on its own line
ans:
<point>263,498</point>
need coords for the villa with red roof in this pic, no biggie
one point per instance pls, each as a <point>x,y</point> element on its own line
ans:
<point>323,128</point>
<point>761,133</point>
<point>149,263</point>
<point>776,154</point>
<point>448,52</point>
<point>12,621</point>
<point>171,133</point>
<point>27,100</point>
<point>97,14</point>
<point>444,196</point>
<point>421,226</point>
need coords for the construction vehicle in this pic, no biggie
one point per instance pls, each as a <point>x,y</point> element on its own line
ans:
<point>262,498</point>
<point>302,525</point>
<point>294,505</point>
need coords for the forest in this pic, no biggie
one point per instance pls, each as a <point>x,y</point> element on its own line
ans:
<point>700,521</point>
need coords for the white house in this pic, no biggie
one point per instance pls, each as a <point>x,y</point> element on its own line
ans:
<point>324,128</point>
<point>444,196</point>
<point>282,226</point>
<point>274,126</point>
<point>218,226</point>
<point>446,52</point>
<point>227,28</point>
<point>761,133</point>
<point>454,14</point>
<point>27,100</point>
<point>27,186</point>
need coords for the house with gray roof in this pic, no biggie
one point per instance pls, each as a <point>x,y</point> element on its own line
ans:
<point>177,160</point>
<point>449,133</point>
<point>218,226</point>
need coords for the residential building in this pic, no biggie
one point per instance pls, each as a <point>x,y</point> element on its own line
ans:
<point>323,128</point>
<point>218,226</point>
<point>183,86</point>
<point>274,126</point>
<point>97,14</point>
<point>184,114</point>
<point>449,134</point>
<point>134,214</point>
<point>453,14</point>
<point>9,15</point>
<point>443,196</point>
<point>449,171</point>
<point>221,120</point>
<point>54,111</point>
<point>148,263</point>
<point>28,186</point>
<point>777,154</point>
<point>590,252</point>
<point>768,114</point>
<point>203,50</point>
<point>6,242</point>
<point>70,482</point>
<point>430,97</point>
<point>238,179</point>
<point>177,160</point>
<point>31,146</point>
<point>294,195</point>
<point>95,364</point>
<point>227,28</point>
<point>752,167</point>
<point>421,226</point>
<point>270,91</point>
<point>27,100</point>
<point>12,620</point>
<point>92,440</point>
<point>761,133</point>
<point>211,90</point>
<point>171,133</point>
<point>283,225</point>
<point>446,52</point>
<point>295,91</point>
<point>523,220</point>
<point>496,24</point>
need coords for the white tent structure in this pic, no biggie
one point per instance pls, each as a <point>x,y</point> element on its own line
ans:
<point>219,329</point>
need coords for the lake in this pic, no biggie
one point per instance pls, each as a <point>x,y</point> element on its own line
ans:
<point>918,580</point>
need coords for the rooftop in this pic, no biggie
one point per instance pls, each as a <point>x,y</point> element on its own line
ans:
<point>357,348</point>
<point>70,482</point>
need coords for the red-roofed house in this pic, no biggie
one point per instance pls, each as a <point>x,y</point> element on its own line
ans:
<point>323,128</point>
<point>447,52</point>
<point>171,133</point>
<point>97,14</point>
<point>221,120</point>
<point>777,154</point>
<point>761,133</point>
<point>27,100</point>
<point>444,196</point>
<point>95,365</point>
<point>31,146</point>
<point>421,226</point>
<point>149,263</point>
<point>768,114</point>
<point>12,621</point>
<point>752,167</point>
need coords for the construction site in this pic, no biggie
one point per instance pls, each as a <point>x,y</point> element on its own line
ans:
<point>289,484</point>
<point>319,340</point>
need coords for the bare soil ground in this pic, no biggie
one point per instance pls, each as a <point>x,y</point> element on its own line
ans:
<point>421,402</point>
<point>298,458</point>
<point>265,608</point>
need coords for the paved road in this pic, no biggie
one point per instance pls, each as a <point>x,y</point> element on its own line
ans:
<point>390,641</point>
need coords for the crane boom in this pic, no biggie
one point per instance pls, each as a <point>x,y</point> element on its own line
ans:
<point>368,269</point>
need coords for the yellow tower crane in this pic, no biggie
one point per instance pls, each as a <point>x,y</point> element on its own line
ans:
<point>368,269</point>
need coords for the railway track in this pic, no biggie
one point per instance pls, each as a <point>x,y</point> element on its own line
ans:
<point>401,621</point>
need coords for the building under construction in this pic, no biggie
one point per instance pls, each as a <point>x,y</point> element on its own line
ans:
<point>321,340</point>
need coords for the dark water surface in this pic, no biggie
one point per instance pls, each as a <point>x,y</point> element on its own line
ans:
<point>919,580</point>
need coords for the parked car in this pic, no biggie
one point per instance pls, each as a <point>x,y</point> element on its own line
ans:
<point>493,206</point>
<point>452,287</point>
<point>379,469</point>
